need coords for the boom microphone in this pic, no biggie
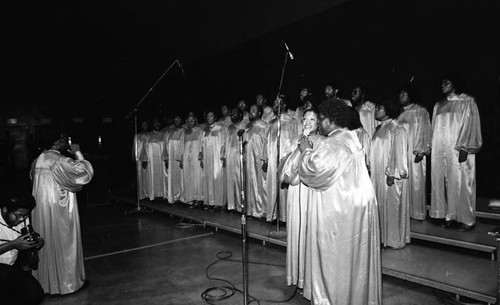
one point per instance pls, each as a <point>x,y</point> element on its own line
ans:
<point>288,50</point>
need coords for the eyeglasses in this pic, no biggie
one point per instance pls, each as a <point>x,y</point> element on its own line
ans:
<point>19,216</point>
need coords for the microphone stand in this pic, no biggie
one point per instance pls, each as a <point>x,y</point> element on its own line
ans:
<point>140,209</point>
<point>278,233</point>
<point>244,254</point>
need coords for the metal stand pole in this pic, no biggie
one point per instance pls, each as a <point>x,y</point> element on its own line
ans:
<point>276,208</point>
<point>244,254</point>
<point>140,209</point>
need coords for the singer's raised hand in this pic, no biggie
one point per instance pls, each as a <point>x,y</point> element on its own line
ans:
<point>304,143</point>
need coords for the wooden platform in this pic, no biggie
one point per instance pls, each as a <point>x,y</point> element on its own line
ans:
<point>435,261</point>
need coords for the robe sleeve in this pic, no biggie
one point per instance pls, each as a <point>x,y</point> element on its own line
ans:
<point>422,133</point>
<point>144,150</point>
<point>289,168</point>
<point>433,123</point>
<point>179,149</point>
<point>366,142</point>
<point>265,152</point>
<point>469,138</point>
<point>397,166</point>
<point>320,168</point>
<point>71,175</point>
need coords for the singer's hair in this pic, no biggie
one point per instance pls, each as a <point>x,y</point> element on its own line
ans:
<point>456,79</point>
<point>18,201</point>
<point>336,111</point>
<point>411,90</point>
<point>391,107</point>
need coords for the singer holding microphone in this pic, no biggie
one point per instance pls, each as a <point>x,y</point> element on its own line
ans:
<point>297,272</point>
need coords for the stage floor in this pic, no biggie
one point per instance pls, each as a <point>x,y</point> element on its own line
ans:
<point>459,263</point>
<point>154,259</point>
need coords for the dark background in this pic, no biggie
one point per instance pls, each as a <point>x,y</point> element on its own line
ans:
<point>73,63</point>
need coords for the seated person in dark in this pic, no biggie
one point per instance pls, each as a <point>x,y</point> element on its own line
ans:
<point>16,282</point>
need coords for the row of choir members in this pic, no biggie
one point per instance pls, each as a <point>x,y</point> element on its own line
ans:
<point>191,163</point>
<point>395,144</point>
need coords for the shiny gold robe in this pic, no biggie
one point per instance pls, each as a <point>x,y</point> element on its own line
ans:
<point>193,174</point>
<point>419,137</point>
<point>455,126</point>
<point>344,252</point>
<point>296,222</point>
<point>254,139</point>
<point>172,154</point>
<point>389,158</point>
<point>157,174</point>
<point>56,179</point>
<point>213,141</point>
<point>141,173</point>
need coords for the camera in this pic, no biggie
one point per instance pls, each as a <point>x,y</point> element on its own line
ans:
<point>33,236</point>
<point>28,259</point>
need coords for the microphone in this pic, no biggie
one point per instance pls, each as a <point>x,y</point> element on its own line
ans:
<point>180,66</point>
<point>288,50</point>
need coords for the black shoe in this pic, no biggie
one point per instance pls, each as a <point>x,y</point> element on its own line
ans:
<point>446,224</point>
<point>465,228</point>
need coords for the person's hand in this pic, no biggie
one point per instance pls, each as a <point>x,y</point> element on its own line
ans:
<point>223,162</point>
<point>201,163</point>
<point>180,164</point>
<point>264,166</point>
<point>390,181</point>
<point>166,163</point>
<point>200,156</point>
<point>304,143</point>
<point>418,158</point>
<point>23,243</point>
<point>144,164</point>
<point>462,156</point>
<point>40,243</point>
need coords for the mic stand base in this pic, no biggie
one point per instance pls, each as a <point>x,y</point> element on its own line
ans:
<point>139,210</point>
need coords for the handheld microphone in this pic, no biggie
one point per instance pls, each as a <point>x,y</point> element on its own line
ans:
<point>180,66</point>
<point>288,50</point>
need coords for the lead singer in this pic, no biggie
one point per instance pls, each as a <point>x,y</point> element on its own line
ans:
<point>345,240</point>
<point>299,195</point>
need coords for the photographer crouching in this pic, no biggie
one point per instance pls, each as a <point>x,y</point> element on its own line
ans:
<point>18,252</point>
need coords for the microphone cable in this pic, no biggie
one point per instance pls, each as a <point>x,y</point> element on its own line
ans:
<point>219,293</point>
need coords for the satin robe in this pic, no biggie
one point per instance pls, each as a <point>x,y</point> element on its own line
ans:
<point>225,122</point>
<point>297,207</point>
<point>173,156</point>
<point>56,179</point>
<point>367,117</point>
<point>141,173</point>
<point>389,158</point>
<point>366,143</point>
<point>254,139</point>
<point>290,131</point>
<point>419,138</point>
<point>152,153</point>
<point>213,142</point>
<point>344,246</point>
<point>233,167</point>
<point>455,126</point>
<point>193,174</point>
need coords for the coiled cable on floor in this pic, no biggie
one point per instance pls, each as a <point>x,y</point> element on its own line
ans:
<point>219,293</point>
